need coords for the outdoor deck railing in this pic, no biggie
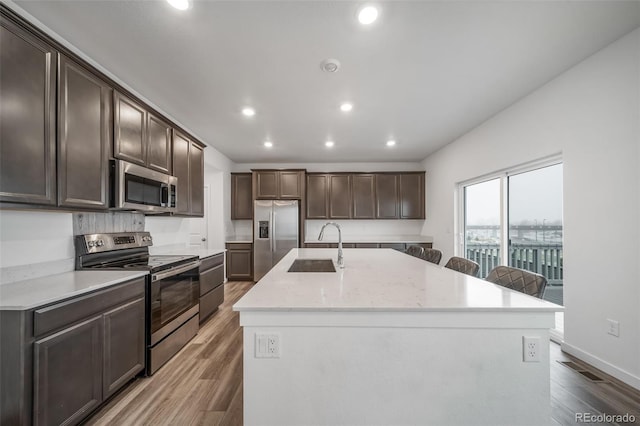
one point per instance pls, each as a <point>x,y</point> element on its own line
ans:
<point>544,259</point>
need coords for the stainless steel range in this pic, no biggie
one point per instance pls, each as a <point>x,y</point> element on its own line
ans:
<point>172,287</point>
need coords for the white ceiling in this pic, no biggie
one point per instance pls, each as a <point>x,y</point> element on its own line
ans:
<point>424,73</point>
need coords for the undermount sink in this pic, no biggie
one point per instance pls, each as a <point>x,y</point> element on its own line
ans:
<point>312,265</point>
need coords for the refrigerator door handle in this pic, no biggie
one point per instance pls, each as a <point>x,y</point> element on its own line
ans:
<point>273,232</point>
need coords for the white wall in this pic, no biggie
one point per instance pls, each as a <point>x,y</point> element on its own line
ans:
<point>363,228</point>
<point>591,114</point>
<point>28,237</point>
<point>217,175</point>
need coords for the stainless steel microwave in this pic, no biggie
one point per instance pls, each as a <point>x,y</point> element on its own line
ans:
<point>137,188</point>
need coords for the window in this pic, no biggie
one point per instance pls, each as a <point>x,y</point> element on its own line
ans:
<point>515,218</point>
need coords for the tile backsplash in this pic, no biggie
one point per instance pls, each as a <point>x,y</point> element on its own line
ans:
<point>94,223</point>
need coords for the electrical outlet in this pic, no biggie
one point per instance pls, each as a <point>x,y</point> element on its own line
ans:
<point>273,346</point>
<point>613,327</point>
<point>267,345</point>
<point>530,349</point>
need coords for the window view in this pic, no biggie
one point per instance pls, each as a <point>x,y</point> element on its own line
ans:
<point>534,218</point>
<point>535,226</point>
<point>482,224</point>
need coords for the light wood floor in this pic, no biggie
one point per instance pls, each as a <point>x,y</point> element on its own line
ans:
<point>202,385</point>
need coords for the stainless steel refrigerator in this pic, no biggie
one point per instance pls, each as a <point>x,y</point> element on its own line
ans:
<point>275,232</point>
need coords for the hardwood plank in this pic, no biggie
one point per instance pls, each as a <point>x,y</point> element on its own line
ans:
<point>233,415</point>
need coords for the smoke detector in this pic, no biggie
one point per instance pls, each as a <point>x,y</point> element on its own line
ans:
<point>330,65</point>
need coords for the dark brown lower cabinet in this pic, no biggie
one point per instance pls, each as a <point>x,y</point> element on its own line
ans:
<point>395,246</point>
<point>68,374</point>
<point>211,285</point>
<point>239,261</point>
<point>366,245</point>
<point>123,345</point>
<point>62,361</point>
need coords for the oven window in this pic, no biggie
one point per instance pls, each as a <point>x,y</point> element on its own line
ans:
<point>170,297</point>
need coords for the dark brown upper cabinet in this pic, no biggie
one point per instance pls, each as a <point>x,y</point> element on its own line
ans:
<point>291,183</point>
<point>84,136</point>
<point>412,196</point>
<point>181,146</point>
<point>188,167</point>
<point>241,196</point>
<point>317,196</point>
<point>278,184</point>
<point>196,179</point>
<point>364,197</point>
<point>140,137</point>
<point>266,184</point>
<point>159,144</point>
<point>340,196</point>
<point>387,191</point>
<point>130,123</point>
<point>28,119</point>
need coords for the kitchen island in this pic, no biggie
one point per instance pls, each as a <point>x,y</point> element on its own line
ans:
<point>391,339</point>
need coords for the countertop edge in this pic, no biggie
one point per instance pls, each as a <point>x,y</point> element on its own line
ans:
<point>402,310</point>
<point>131,275</point>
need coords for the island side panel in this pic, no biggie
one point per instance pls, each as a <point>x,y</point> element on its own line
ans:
<point>384,375</point>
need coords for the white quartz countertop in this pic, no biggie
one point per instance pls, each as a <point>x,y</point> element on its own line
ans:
<point>380,280</point>
<point>370,239</point>
<point>184,250</point>
<point>27,294</point>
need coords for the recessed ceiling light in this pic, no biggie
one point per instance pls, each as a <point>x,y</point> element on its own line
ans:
<point>180,4</point>
<point>367,15</point>
<point>329,144</point>
<point>268,144</point>
<point>391,143</point>
<point>346,107</point>
<point>248,111</point>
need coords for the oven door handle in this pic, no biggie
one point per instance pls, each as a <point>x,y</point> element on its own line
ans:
<point>174,271</point>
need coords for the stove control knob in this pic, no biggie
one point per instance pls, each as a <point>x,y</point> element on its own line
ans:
<point>99,243</point>
<point>91,243</point>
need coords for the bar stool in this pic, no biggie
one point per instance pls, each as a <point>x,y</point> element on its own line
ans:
<point>518,279</point>
<point>463,265</point>
<point>432,255</point>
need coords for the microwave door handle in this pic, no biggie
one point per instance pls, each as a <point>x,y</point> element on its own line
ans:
<point>164,195</point>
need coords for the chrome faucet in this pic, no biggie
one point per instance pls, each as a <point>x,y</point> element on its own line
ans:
<point>340,258</point>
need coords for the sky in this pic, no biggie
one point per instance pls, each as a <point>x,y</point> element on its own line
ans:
<point>533,196</point>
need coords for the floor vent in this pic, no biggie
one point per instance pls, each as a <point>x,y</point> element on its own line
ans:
<point>585,373</point>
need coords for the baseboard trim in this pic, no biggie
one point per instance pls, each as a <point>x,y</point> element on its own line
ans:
<point>612,370</point>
